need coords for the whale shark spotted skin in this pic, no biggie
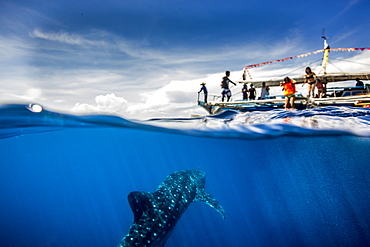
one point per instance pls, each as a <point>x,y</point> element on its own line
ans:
<point>156,214</point>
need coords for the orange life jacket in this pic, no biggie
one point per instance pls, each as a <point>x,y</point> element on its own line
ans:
<point>289,88</point>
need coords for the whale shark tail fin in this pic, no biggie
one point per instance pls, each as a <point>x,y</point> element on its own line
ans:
<point>139,203</point>
<point>204,196</point>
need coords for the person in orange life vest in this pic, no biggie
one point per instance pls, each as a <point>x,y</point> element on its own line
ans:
<point>289,92</point>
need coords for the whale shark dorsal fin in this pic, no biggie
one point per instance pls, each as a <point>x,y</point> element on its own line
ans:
<point>204,196</point>
<point>139,203</point>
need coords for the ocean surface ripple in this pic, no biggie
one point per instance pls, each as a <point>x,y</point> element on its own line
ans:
<point>17,119</point>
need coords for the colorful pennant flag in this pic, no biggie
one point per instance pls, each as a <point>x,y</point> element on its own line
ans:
<point>305,55</point>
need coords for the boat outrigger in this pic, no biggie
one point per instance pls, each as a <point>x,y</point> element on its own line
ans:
<point>357,96</point>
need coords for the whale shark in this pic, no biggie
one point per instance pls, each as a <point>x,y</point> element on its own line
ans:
<point>156,214</point>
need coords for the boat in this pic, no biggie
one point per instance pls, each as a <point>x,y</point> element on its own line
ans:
<point>334,96</point>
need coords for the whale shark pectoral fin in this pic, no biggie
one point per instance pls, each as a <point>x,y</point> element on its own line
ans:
<point>204,196</point>
<point>139,203</point>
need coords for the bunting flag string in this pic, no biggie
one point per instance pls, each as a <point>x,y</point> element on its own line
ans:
<point>305,55</point>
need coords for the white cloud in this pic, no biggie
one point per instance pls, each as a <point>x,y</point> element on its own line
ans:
<point>111,102</point>
<point>30,94</point>
<point>86,108</point>
<point>176,99</point>
<point>162,88</point>
<point>63,37</point>
<point>108,104</point>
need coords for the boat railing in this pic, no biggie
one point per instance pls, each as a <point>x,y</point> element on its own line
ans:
<point>347,91</point>
<point>217,98</point>
<point>214,98</point>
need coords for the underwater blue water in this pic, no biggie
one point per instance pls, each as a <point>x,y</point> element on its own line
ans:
<point>284,178</point>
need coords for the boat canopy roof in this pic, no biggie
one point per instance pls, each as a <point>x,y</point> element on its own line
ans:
<point>325,78</point>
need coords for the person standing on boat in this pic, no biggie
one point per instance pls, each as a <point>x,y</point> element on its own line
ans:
<point>359,83</point>
<point>245,91</point>
<point>320,88</point>
<point>252,93</point>
<point>205,91</point>
<point>225,86</point>
<point>310,78</point>
<point>265,91</point>
<point>289,92</point>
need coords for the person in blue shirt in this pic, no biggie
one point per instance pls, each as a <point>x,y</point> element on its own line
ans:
<point>205,91</point>
<point>245,91</point>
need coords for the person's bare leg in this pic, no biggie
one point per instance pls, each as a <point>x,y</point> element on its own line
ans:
<point>312,90</point>
<point>292,102</point>
<point>286,102</point>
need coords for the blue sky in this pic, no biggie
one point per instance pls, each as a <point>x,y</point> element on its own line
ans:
<point>145,59</point>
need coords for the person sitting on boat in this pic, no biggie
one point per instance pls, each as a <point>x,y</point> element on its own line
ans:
<point>320,88</point>
<point>225,86</point>
<point>245,91</point>
<point>205,91</point>
<point>359,83</point>
<point>289,92</point>
<point>252,93</point>
<point>310,78</point>
<point>265,91</point>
